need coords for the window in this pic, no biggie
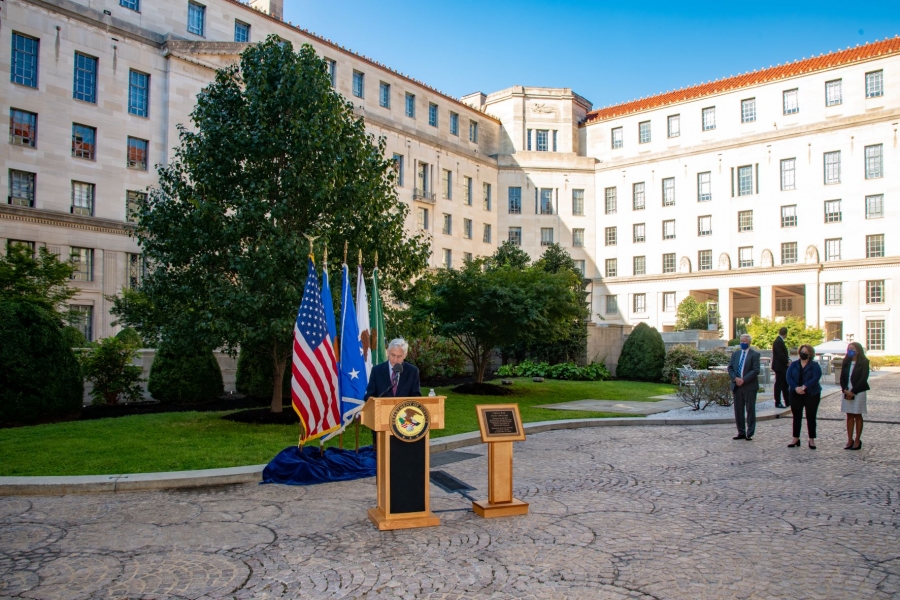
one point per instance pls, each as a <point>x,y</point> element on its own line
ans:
<point>669,262</point>
<point>748,110</point>
<point>21,244</point>
<point>612,305</point>
<point>359,84</point>
<point>384,95</point>
<point>578,202</point>
<point>82,318</point>
<point>874,162</point>
<point>138,94</point>
<point>612,267</point>
<point>447,229</point>
<point>874,84</point>
<point>22,128</point>
<point>704,225</point>
<point>640,233</point>
<point>83,141</point>
<point>834,294</point>
<point>784,304</point>
<point>875,206</point>
<point>833,249</point>
<point>611,201</point>
<point>331,66</point>
<point>875,246</point>
<point>546,206</point>
<point>610,236</point>
<point>832,211</point>
<point>639,201</point>
<point>467,257</point>
<point>21,188</point>
<point>639,265</point>
<point>467,229</point>
<point>433,115</point>
<point>486,196</point>
<point>833,93</point>
<point>515,200</point>
<point>541,139</point>
<point>668,301</point>
<point>789,216</point>
<point>674,122</point>
<point>639,303</point>
<point>515,236</point>
<point>618,138</point>
<point>745,220</point>
<point>133,202</point>
<point>447,184</point>
<point>411,105</point>
<point>668,229</point>
<point>709,118</point>
<point>791,102</point>
<point>704,260</point>
<point>24,69</point>
<point>241,31</point>
<point>424,183</point>
<point>788,174</point>
<point>875,292</point>
<point>668,191</point>
<point>487,233</point>
<point>422,218</point>
<point>134,5</point>
<point>745,257</point>
<point>82,198</point>
<point>137,153</point>
<point>467,191</point>
<point>83,260</point>
<point>834,330</point>
<point>578,238</point>
<point>554,140</point>
<point>398,168</point>
<point>454,124</point>
<point>134,265</point>
<point>875,334</point>
<point>473,131</point>
<point>546,236</point>
<point>745,180</point>
<point>579,266</point>
<point>85,85</point>
<point>832,167</point>
<point>528,140</point>
<point>448,258</point>
<point>788,253</point>
<point>196,16</point>
<point>644,132</point>
<point>704,187</point>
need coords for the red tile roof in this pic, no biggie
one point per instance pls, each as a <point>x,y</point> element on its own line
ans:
<point>798,67</point>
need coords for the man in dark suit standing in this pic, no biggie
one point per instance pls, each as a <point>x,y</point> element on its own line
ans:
<point>396,377</point>
<point>780,363</point>
<point>743,370</point>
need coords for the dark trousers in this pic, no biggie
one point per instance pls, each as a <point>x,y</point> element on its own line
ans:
<point>781,388</point>
<point>811,404</point>
<point>745,402</point>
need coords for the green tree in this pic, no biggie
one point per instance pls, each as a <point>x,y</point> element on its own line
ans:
<point>107,364</point>
<point>275,153</point>
<point>42,280</point>
<point>691,314</point>
<point>764,331</point>
<point>643,355</point>
<point>509,255</point>
<point>573,345</point>
<point>183,373</point>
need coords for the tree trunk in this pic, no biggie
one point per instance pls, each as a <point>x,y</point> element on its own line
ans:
<point>479,371</point>
<point>278,366</point>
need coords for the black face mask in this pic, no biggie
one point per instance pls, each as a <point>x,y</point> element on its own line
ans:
<point>804,356</point>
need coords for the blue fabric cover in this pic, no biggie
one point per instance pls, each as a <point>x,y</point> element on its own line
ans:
<point>304,466</point>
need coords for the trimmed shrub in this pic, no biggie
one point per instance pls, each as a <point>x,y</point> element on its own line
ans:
<point>131,337</point>
<point>40,377</point>
<point>643,355</point>
<point>73,337</point>
<point>437,357</point>
<point>876,362</point>
<point>254,376</point>
<point>107,364</point>
<point>678,356</point>
<point>715,357</point>
<point>183,373</point>
<point>567,371</point>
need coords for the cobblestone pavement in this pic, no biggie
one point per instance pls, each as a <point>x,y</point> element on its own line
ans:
<point>618,512</point>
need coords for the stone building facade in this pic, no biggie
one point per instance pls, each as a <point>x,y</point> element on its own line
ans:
<point>768,193</point>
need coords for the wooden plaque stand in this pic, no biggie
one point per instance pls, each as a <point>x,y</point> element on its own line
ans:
<point>500,426</point>
<point>402,471</point>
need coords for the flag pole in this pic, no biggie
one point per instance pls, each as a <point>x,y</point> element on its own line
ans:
<point>356,419</point>
<point>313,259</point>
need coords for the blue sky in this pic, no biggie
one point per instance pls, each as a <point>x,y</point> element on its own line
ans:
<point>607,52</point>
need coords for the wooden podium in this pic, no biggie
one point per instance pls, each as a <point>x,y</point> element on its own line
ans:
<point>402,472</point>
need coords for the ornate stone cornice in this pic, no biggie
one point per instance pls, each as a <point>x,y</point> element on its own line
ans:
<point>57,219</point>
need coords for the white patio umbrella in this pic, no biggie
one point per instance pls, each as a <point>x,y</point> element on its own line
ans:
<point>832,347</point>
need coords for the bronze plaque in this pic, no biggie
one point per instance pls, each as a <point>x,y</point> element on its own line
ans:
<point>500,423</point>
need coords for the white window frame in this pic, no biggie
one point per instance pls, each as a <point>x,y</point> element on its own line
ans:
<point>708,117</point>
<point>674,125</point>
<point>748,110</point>
<point>791,101</point>
<point>834,92</point>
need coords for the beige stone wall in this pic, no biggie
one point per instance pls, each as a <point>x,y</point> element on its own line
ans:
<point>604,343</point>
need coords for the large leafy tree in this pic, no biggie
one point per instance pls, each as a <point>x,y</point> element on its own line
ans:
<point>274,153</point>
<point>41,279</point>
<point>691,314</point>
<point>764,331</point>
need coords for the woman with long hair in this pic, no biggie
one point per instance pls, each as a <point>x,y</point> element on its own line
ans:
<point>803,383</point>
<point>854,385</point>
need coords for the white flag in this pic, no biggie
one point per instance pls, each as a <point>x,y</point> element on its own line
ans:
<point>362,319</point>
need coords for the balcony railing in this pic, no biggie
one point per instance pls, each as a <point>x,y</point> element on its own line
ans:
<point>423,196</point>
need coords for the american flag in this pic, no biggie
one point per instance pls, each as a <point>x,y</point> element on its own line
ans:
<point>314,386</point>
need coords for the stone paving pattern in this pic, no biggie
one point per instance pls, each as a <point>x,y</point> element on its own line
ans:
<point>630,512</point>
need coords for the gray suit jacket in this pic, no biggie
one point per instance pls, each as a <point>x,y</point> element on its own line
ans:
<point>751,369</point>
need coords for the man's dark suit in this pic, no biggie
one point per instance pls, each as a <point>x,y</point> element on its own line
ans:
<point>745,395</point>
<point>380,381</point>
<point>780,362</point>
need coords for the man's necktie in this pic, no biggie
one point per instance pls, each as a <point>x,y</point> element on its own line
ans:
<point>741,364</point>
<point>395,379</point>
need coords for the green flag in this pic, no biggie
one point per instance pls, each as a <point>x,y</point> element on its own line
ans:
<point>379,355</point>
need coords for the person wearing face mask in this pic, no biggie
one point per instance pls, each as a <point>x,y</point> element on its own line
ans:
<point>743,369</point>
<point>854,385</point>
<point>803,381</point>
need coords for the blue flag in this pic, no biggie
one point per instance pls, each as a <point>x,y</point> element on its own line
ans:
<point>353,365</point>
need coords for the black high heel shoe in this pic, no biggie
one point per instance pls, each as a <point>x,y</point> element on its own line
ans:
<point>857,447</point>
<point>811,447</point>
<point>795,444</point>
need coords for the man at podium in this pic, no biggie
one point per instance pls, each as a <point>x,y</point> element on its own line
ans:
<point>396,377</point>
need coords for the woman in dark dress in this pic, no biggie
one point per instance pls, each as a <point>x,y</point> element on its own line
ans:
<point>803,382</point>
<point>854,385</point>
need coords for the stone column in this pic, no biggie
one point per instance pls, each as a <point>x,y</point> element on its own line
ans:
<point>766,302</point>
<point>725,313</point>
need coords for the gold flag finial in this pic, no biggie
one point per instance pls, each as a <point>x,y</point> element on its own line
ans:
<point>311,238</point>
<point>360,256</point>
<point>376,259</point>
<point>345,252</point>
<point>325,255</point>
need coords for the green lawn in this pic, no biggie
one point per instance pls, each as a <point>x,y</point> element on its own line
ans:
<point>194,440</point>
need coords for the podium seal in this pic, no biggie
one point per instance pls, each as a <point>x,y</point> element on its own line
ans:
<point>409,421</point>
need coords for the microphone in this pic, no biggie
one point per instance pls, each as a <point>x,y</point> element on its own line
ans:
<point>398,368</point>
